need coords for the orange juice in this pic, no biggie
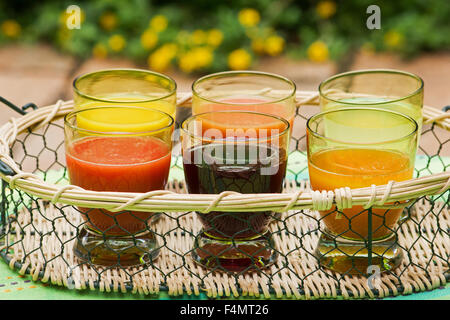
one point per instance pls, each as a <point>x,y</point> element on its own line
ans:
<point>243,125</point>
<point>357,168</point>
<point>252,105</point>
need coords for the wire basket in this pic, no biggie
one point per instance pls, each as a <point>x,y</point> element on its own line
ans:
<point>40,220</point>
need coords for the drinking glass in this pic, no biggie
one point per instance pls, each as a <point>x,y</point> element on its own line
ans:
<point>378,88</point>
<point>118,149</point>
<point>356,148</point>
<point>238,151</point>
<point>128,87</point>
<point>246,91</point>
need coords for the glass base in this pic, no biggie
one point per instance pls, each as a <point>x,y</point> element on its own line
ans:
<point>120,251</point>
<point>239,255</point>
<point>351,257</point>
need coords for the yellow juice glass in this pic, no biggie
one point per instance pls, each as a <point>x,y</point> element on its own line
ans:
<point>123,87</point>
<point>358,148</point>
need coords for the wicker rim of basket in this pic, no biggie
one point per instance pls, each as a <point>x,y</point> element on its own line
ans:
<point>163,200</point>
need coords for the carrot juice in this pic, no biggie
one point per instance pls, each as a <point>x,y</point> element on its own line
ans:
<point>247,120</point>
<point>122,164</point>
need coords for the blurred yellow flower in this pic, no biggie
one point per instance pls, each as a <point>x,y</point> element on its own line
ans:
<point>203,56</point>
<point>100,51</point>
<point>11,28</point>
<point>239,59</point>
<point>199,37</point>
<point>117,42</point>
<point>274,45</point>
<point>159,23</point>
<point>161,58</point>
<point>318,51</point>
<point>169,49</point>
<point>249,17</point>
<point>215,37</point>
<point>258,45</point>
<point>186,62</point>
<point>393,39</point>
<point>195,58</point>
<point>158,61</point>
<point>326,9</point>
<point>108,21</point>
<point>149,39</point>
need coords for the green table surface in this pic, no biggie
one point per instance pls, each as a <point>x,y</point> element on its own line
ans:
<point>21,287</point>
<point>17,287</point>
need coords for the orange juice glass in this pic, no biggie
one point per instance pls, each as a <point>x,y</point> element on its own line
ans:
<point>245,91</point>
<point>356,148</point>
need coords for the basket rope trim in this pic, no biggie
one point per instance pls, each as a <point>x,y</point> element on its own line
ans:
<point>168,201</point>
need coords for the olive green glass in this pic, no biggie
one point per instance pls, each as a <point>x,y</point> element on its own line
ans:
<point>386,89</point>
<point>129,87</point>
<point>245,91</point>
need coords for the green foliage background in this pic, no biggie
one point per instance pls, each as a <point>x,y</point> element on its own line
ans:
<point>408,27</point>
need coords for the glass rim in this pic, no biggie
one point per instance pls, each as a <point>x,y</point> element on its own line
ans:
<point>372,71</point>
<point>186,122</point>
<point>243,72</point>
<point>148,72</point>
<point>117,133</point>
<point>321,114</point>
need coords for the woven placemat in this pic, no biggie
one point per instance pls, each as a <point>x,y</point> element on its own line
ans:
<point>40,243</point>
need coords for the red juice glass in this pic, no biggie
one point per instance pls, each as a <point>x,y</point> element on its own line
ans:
<point>118,149</point>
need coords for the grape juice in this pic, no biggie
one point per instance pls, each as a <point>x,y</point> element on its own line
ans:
<point>246,168</point>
